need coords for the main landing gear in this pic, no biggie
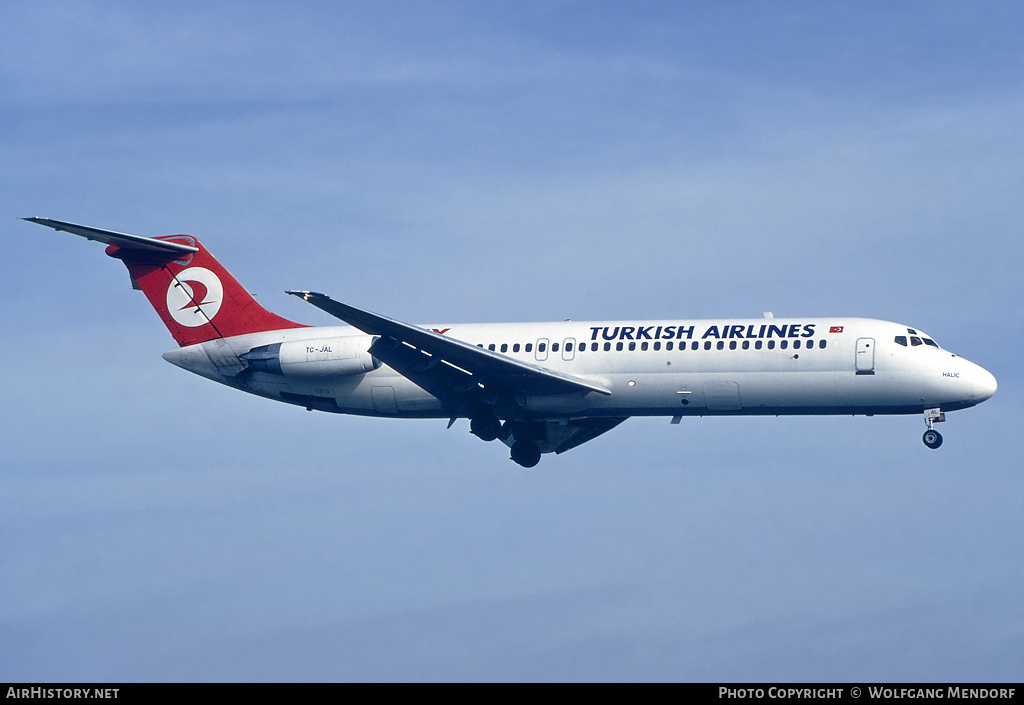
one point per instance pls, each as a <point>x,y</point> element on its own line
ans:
<point>525,450</point>
<point>932,438</point>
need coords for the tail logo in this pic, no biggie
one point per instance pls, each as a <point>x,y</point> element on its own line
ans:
<point>194,297</point>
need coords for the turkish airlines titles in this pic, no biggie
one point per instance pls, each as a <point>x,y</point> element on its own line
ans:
<point>678,332</point>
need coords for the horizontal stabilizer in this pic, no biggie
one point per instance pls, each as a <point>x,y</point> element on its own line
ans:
<point>195,297</point>
<point>124,241</point>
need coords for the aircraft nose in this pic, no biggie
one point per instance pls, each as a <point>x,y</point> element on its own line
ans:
<point>983,385</point>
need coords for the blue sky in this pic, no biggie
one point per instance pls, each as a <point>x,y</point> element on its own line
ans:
<point>459,161</point>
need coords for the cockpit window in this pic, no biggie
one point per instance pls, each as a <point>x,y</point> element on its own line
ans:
<point>917,339</point>
<point>914,340</point>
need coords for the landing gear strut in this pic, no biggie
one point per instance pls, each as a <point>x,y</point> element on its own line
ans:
<point>932,438</point>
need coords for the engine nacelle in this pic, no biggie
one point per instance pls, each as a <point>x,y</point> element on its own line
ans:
<point>317,357</point>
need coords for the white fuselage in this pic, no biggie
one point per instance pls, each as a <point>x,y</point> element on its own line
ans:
<point>652,368</point>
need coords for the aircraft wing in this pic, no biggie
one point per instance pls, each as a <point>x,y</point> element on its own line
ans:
<point>416,353</point>
<point>122,240</point>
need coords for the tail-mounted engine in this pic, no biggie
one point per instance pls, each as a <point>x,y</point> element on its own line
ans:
<point>319,357</point>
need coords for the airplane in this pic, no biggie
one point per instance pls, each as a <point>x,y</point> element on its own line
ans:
<point>537,387</point>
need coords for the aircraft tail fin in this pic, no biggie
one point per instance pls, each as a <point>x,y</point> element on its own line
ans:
<point>195,297</point>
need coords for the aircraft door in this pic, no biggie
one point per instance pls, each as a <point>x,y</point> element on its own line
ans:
<point>865,363</point>
<point>722,396</point>
<point>568,349</point>
<point>541,352</point>
<point>384,401</point>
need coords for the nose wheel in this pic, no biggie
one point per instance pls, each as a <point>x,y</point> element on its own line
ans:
<point>932,438</point>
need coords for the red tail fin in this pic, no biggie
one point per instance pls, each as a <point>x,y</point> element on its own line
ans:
<point>197,299</point>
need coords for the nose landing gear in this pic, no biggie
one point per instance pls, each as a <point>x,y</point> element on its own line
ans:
<point>932,438</point>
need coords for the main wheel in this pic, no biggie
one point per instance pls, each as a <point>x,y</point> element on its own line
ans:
<point>526,453</point>
<point>485,427</point>
<point>932,438</point>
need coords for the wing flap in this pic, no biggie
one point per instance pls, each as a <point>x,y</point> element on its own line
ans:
<point>521,376</point>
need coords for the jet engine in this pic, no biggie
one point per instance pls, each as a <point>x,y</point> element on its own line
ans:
<point>318,357</point>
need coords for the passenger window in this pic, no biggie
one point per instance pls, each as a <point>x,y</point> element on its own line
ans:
<point>607,347</point>
<point>796,344</point>
<point>618,346</point>
<point>783,344</point>
<point>643,346</point>
<point>528,347</point>
<point>668,346</point>
<point>593,347</point>
<point>915,341</point>
<point>504,347</point>
<point>554,347</point>
<point>542,347</point>
<point>822,343</point>
<point>657,345</point>
<point>515,347</point>
<point>732,344</point>
<point>707,345</point>
<point>746,344</point>
<point>694,345</point>
<point>901,340</point>
<point>721,345</point>
<point>632,347</point>
<point>757,344</point>
<point>771,344</point>
<point>491,347</point>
